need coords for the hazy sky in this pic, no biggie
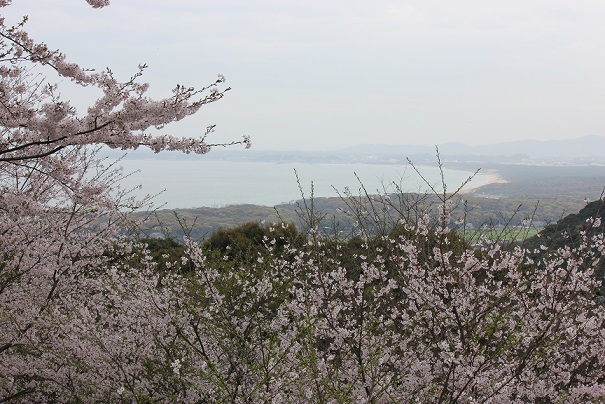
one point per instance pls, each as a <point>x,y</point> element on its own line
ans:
<point>326,74</point>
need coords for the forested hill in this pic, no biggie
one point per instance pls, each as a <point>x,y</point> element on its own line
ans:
<point>567,231</point>
<point>203,222</point>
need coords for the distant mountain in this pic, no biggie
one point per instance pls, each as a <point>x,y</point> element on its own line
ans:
<point>591,146</point>
<point>584,150</point>
<point>586,146</point>
<point>383,149</point>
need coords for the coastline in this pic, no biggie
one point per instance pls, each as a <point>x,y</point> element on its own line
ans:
<point>493,177</point>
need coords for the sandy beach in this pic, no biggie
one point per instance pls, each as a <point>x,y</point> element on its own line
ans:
<point>493,177</point>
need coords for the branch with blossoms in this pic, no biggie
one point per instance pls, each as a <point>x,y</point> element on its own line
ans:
<point>36,123</point>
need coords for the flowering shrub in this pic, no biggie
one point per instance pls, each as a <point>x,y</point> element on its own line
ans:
<point>396,325</point>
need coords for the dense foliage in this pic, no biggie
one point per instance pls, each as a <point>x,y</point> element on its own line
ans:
<point>401,309</point>
<point>477,212</point>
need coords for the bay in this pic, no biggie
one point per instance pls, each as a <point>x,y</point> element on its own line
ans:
<point>180,184</point>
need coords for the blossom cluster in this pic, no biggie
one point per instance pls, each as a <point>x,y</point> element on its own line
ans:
<point>413,315</point>
<point>36,122</point>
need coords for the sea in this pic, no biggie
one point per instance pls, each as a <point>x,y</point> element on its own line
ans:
<point>182,184</point>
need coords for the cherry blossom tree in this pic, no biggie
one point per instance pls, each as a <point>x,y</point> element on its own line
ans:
<point>401,317</point>
<point>36,122</point>
<point>62,212</point>
<point>404,322</point>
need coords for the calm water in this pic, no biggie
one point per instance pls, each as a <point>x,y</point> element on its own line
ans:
<point>197,183</point>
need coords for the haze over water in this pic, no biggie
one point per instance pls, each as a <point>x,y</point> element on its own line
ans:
<point>197,183</point>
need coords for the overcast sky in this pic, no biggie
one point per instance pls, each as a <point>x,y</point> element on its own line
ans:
<point>328,74</point>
